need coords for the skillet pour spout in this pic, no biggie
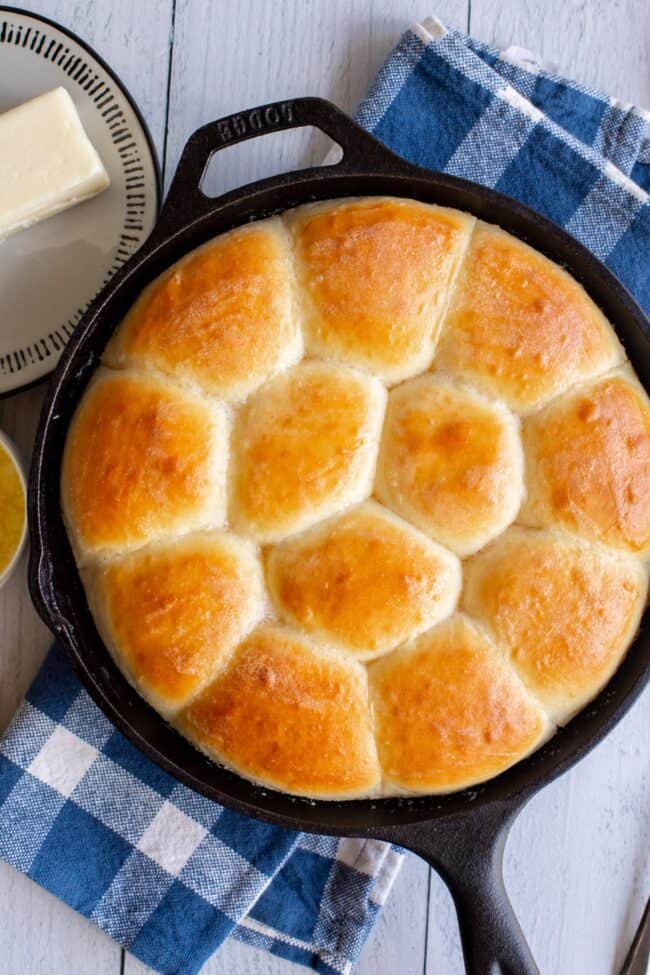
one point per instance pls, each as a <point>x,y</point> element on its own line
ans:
<point>462,835</point>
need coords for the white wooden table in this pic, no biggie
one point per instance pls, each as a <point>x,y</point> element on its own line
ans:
<point>578,861</point>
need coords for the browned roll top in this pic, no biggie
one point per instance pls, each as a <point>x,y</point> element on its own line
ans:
<point>360,498</point>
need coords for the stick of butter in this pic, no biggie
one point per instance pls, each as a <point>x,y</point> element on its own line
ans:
<point>47,162</point>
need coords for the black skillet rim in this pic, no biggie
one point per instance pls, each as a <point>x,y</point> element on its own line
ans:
<point>366,816</point>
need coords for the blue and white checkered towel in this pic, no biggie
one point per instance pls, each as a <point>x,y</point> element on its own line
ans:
<point>167,873</point>
<point>448,102</point>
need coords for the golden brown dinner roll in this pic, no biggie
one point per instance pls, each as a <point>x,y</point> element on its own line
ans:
<point>245,404</point>
<point>450,711</point>
<point>565,610</point>
<point>376,275</point>
<point>171,612</point>
<point>450,462</point>
<point>520,327</point>
<point>222,317</point>
<point>588,461</point>
<point>142,459</point>
<point>290,715</point>
<point>364,581</point>
<point>305,446</point>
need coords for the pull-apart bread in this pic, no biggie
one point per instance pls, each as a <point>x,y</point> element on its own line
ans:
<point>360,498</point>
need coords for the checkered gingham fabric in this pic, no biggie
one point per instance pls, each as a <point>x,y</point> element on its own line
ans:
<point>165,872</point>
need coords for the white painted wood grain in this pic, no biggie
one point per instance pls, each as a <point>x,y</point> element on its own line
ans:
<point>241,54</point>
<point>577,862</point>
<point>41,936</point>
<point>603,43</point>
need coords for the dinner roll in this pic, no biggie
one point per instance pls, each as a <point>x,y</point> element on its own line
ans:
<point>520,327</point>
<point>450,462</point>
<point>376,276</point>
<point>305,446</point>
<point>450,711</point>
<point>170,612</point>
<point>221,318</point>
<point>565,610</point>
<point>365,581</point>
<point>142,459</point>
<point>299,431</point>
<point>588,459</point>
<point>290,715</point>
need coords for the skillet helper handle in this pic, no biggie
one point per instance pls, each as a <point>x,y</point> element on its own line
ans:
<point>361,152</point>
<point>470,861</point>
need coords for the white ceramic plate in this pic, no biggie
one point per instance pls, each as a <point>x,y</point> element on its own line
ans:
<point>49,273</point>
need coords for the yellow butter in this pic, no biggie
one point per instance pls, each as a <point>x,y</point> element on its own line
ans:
<point>12,508</point>
<point>47,162</point>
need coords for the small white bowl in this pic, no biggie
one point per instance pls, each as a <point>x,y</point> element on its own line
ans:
<point>14,454</point>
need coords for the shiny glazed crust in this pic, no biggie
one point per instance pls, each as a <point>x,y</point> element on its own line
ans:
<point>319,424</point>
<point>376,276</point>
<point>520,328</point>
<point>365,581</point>
<point>142,460</point>
<point>361,499</point>
<point>588,455</point>
<point>291,715</point>
<point>220,319</point>
<point>171,612</point>
<point>450,712</point>
<point>564,610</point>
<point>450,462</point>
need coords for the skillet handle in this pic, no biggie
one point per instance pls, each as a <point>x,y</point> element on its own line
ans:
<point>469,858</point>
<point>361,152</point>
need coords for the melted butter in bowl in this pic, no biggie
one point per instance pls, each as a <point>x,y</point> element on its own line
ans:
<point>13,516</point>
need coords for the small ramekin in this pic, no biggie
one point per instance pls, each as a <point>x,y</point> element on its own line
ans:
<point>14,454</point>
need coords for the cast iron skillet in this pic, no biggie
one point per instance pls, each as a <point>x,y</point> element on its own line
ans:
<point>462,835</point>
